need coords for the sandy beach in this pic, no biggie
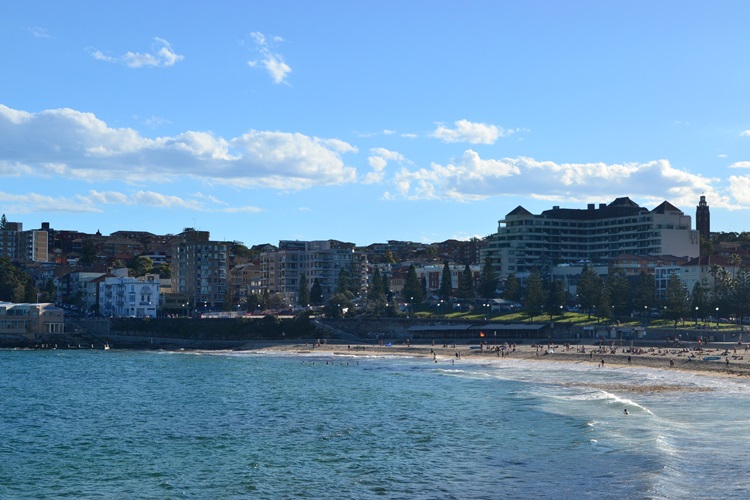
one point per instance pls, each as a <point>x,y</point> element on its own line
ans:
<point>714,360</point>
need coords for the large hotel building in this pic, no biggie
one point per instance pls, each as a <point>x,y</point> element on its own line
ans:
<point>596,234</point>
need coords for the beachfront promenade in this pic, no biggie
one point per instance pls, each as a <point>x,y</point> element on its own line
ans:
<point>419,330</point>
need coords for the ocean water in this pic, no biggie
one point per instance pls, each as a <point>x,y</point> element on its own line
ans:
<point>126,424</point>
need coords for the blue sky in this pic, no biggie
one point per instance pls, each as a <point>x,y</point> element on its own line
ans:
<point>368,121</point>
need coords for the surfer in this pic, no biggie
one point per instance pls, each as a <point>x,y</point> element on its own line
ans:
<point>625,411</point>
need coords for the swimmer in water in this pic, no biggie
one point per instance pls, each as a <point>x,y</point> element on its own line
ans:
<point>626,411</point>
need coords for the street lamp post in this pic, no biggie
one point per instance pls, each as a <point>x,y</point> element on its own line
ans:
<point>717,319</point>
<point>645,316</point>
<point>696,316</point>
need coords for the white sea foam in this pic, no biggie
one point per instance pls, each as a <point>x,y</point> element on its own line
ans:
<point>662,442</point>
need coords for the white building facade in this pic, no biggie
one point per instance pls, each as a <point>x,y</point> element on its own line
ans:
<point>703,271</point>
<point>525,241</point>
<point>129,297</point>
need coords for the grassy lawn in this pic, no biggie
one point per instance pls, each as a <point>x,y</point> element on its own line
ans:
<point>573,318</point>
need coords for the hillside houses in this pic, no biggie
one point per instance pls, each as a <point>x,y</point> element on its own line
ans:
<point>189,273</point>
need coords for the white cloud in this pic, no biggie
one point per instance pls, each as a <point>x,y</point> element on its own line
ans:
<point>740,164</point>
<point>375,134</point>
<point>14,169</point>
<point>745,133</point>
<point>475,178</point>
<point>235,210</point>
<point>93,201</point>
<point>33,202</point>
<point>469,178</point>
<point>339,145</point>
<point>378,160</point>
<point>199,202</point>
<point>144,198</point>
<point>155,121</point>
<point>209,197</point>
<point>277,68</point>
<point>76,145</point>
<point>272,61</point>
<point>739,189</point>
<point>473,133</point>
<point>162,55</point>
<point>39,32</point>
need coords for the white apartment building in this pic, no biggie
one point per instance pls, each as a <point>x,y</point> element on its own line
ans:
<point>123,296</point>
<point>699,270</point>
<point>433,274</point>
<point>525,241</point>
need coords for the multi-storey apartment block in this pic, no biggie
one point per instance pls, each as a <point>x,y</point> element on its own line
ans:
<point>17,244</point>
<point>321,260</point>
<point>525,241</point>
<point>9,241</point>
<point>199,270</point>
<point>245,280</point>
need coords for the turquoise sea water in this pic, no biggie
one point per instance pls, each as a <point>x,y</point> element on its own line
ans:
<point>124,424</point>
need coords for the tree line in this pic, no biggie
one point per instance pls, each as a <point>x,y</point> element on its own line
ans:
<point>617,295</point>
<point>16,285</point>
<point>380,300</point>
<point>605,297</point>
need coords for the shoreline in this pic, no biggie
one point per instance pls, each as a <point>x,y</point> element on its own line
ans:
<point>656,358</point>
<point>660,358</point>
